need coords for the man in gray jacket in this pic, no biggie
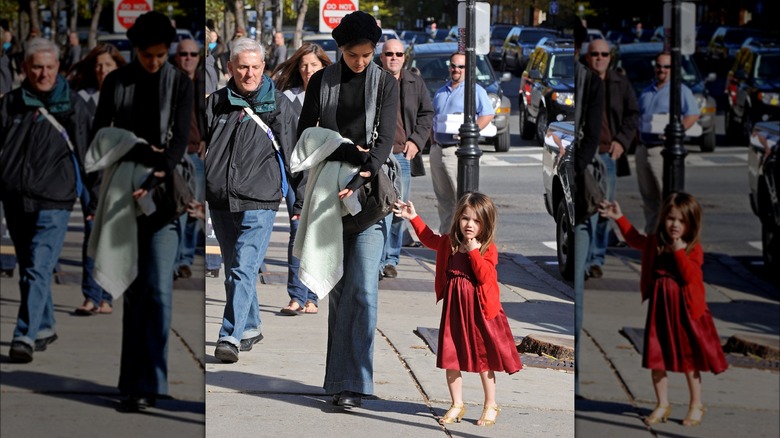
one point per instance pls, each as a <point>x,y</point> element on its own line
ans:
<point>244,178</point>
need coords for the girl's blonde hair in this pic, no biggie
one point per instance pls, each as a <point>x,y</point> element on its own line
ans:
<point>691,215</point>
<point>485,210</point>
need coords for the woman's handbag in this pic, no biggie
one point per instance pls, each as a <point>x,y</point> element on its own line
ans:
<point>172,197</point>
<point>378,195</point>
<point>590,190</point>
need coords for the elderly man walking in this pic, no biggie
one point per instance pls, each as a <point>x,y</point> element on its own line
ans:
<point>44,131</point>
<point>413,127</point>
<point>244,186</point>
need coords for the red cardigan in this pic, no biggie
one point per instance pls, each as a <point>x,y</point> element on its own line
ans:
<point>689,266</point>
<point>484,268</point>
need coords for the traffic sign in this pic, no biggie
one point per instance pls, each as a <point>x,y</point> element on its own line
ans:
<point>126,11</point>
<point>332,11</point>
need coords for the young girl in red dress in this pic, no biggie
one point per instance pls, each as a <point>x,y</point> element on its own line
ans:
<point>474,333</point>
<point>680,335</point>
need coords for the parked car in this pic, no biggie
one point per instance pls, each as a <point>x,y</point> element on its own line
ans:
<point>557,179</point>
<point>763,177</point>
<point>637,60</point>
<point>546,88</point>
<point>432,62</point>
<point>726,41</point>
<point>120,41</point>
<point>520,43</point>
<point>415,37</point>
<point>326,41</point>
<point>498,33</point>
<point>753,87</point>
<point>181,34</point>
<point>440,35</point>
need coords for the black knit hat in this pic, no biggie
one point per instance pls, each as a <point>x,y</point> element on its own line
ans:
<point>356,26</point>
<point>151,28</point>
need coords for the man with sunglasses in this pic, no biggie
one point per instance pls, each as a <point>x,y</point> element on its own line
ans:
<point>449,99</point>
<point>187,58</point>
<point>413,127</point>
<point>649,161</point>
<point>618,129</point>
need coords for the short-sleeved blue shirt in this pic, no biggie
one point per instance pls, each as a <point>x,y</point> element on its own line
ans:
<point>449,101</point>
<point>655,100</point>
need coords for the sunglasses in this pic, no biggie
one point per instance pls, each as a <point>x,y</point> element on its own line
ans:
<point>602,54</point>
<point>397,54</point>
<point>190,54</point>
<point>457,66</point>
<point>664,66</point>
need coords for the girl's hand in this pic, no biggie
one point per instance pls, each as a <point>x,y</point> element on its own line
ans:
<point>610,210</point>
<point>404,209</point>
<point>472,244</point>
<point>678,244</point>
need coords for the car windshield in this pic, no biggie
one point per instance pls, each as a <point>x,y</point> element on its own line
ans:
<point>738,36</point>
<point>327,44</point>
<point>562,66</point>
<point>640,70</point>
<point>768,66</point>
<point>533,36</point>
<point>435,69</point>
<point>500,33</point>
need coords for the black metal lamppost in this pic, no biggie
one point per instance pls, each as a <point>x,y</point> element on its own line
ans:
<point>674,151</point>
<point>468,152</point>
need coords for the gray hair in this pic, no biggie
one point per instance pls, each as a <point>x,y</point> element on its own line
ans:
<point>242,45</point>
<point>39,44</point>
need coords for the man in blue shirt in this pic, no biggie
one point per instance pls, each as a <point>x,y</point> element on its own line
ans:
<point>649,161</point>
<point>449,99</point>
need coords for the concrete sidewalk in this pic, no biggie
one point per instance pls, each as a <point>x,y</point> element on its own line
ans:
<point>276,389</point>
<point>69,390</point>
<point>618,392</point>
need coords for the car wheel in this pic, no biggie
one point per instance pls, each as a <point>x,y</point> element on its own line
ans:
<point>564,238</point>
<point>526,127</point>
<point>502,141</point>
<point>708,142</point>
<point>770,243</point>
<point>541,125</point>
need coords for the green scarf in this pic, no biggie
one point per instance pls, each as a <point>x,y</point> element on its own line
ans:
<point>56,101</point>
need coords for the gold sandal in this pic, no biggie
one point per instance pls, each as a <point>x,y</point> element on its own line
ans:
<point>458,412</point>
<point>661,417</point>
<point>689,420</point>
<point>485,422</point>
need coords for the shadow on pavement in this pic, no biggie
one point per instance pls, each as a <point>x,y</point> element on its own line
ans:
<point>584,410</point>
<point>750,315</point>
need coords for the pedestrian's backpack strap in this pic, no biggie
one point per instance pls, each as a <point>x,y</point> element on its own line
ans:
<point>277,149</point>
<point>64,134</point>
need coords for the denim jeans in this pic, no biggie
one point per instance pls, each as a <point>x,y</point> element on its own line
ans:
<point>583,234</point>
<point>89,287</point>
<point>192,228</point>
<point>598,248</point>
<point>243,240</point>
<point>38,239</point>
<point>352,314</point>
<point>395,225</point>
<point>295,288</point>
<point>146,318</point>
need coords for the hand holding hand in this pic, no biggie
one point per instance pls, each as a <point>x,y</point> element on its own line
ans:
<point>404,209</point>
<point>610,210</point>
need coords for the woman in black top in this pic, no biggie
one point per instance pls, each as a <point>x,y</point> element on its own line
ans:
<point>355,81</point>
<point>153,99</point>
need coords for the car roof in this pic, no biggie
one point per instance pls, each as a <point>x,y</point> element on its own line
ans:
<point>435,48</point>
<point>647,47</point>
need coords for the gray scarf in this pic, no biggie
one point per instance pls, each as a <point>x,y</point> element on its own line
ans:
<point>329,96</point>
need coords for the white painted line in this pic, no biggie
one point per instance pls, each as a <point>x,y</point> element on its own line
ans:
<point>551,245</point>
<point>756,244</point>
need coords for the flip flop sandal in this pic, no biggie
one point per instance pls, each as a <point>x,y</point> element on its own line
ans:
<point>290,311</point>
<point>104,308</point>
<point>86,309</point>
<point>310,308</point>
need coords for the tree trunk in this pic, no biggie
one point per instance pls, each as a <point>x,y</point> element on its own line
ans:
<point>74,12</point>
<point>55,22</point>
<point>279,10</point>
<point>238,11</point>
<point>35,17</point>
<point>301,7</point>
<point>93,25</point>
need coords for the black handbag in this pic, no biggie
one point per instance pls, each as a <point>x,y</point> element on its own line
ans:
<point>378,195</point>
<point>590,190</point>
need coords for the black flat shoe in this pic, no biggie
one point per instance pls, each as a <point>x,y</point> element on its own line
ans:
<point>20,352</point>
<point>248,343</point>
<point>349,399</point>
<point>136,403</point>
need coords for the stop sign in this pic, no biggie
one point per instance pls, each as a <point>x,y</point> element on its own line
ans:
<point>332,11</point>
<point>126,11</point>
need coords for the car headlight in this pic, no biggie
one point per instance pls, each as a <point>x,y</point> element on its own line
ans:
<point>701,102</point>
<point>494,100</point>
<point>772,99</point>
<point>566,99</point>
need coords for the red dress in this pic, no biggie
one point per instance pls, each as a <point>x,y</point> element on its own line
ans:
<point>675,341</point>
<point>467,340</point>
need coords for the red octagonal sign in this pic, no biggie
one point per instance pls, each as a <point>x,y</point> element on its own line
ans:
<point>334,10</point>
<point>128,10</point>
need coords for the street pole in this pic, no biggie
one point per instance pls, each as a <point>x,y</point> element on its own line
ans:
<point>674,151</point>
<point>468,152</point>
